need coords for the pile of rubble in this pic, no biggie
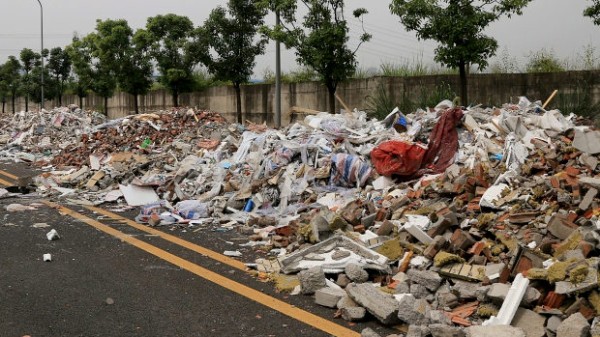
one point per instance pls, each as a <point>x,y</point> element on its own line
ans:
<point>442,222</point>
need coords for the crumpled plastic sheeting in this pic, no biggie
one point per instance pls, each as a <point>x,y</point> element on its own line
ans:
<point>349,171</point>
<point>411,160</point>
<point>443,143</point>
<point>397,158</point>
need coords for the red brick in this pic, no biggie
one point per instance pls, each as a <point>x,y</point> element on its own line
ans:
<point>553,300</point>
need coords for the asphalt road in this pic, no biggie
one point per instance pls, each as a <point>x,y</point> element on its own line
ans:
<point>136,283</point>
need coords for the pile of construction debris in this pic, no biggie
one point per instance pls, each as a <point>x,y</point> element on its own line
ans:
<point>440,222</point>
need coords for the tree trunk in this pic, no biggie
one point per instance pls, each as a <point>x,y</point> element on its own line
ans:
<point>106,106</point>
<point>331,90</point>
<point>81,102</point>
<point>135,104</point>
<point>26,103</point>
<point>464,100</point>
<point>3,105</point>
<point>13,103</point>
<point>175,98</point>
<point>238,102</point>
<point>59,99</point>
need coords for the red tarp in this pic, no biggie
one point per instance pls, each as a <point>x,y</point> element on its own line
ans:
<point>411,160</point>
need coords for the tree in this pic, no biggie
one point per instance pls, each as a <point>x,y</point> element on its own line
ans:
<point>81,79</point>
<point>126,58</point>
<point>136,70</point>
<point>98,46</point>
<point>458,26</point>
<point>322,41</point>
<point>4,89</point>
<point>29,60</point>
<point>169,37</point>
<point>59,67</point>
<point>593,12</point>
<point>228,46</point>
<point>11,74</point>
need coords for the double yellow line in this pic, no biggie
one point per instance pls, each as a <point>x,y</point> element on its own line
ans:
<point>245,291</point>
<point>9,176</point>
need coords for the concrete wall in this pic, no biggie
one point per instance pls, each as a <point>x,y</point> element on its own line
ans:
<point>258,100</point>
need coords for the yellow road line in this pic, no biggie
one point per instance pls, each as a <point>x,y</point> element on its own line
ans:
<point>6,183</point>
<point>257,296</point>
<point>6,174</point>
<point>171,238</point>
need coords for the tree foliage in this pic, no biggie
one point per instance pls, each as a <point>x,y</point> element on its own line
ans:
<point>11,75</point>
<point>321,41</point>
<point>104,55</point>
<point>125,55</point>
<point>227,45</point>
<point>593,12</point>
<point>82,73</point>
<point>169,38</point>
<point>458,27</point>
<point>4,86</point>
<point>29,60</point>
<point>59,68</point>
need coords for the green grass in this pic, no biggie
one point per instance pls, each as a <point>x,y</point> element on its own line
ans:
<point>295,76</point>
<point>381,103</point>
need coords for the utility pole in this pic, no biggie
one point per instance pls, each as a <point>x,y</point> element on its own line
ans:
<point>277,76</point>
<point>42,53</point>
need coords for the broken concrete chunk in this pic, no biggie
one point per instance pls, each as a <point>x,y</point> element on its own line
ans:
<point>368,332</point>
<point>466,290</point>
<point>497,292</point>
<point>560,227</point>
<point>443,330</point>
<point>590,181</point>
<point>553,323</point>
<point>418,331</point>
<point>438,317</point>
<point>494,331</point>
<point>587,200</point>
<point>384,307</point>
<point>353,314</point>
<point>532,323</point>
<point>574,326</point>
<point>568,287</point>
<point>356,273</point>
<point>346,302</point>
<point>446,299</point>
<point>329,297</point>
<point>419,290</point>
<point>430,279</point>
<point>411,310</point>
<point>595,330</point>
<point>342,280</point>
<point>311,280</point>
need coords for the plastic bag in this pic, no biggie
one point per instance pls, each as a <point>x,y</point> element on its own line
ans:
<point>397,158</point>
<point>147,211</point>
<point>192,209</point>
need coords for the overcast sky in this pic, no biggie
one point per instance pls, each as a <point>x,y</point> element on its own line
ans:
<point>556,25</point>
